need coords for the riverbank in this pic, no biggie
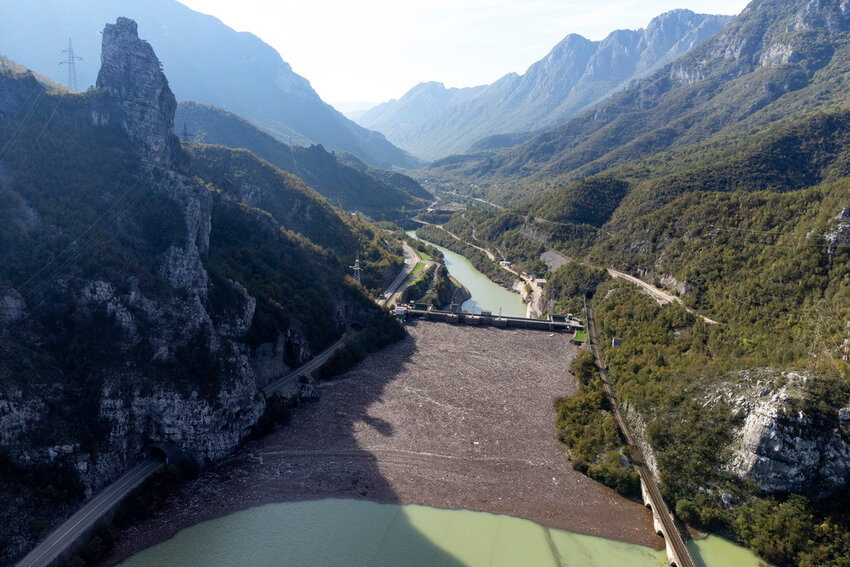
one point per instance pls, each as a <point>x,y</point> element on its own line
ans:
<point>529,288</point>
<point>451,417</point>
<point>484,293</point>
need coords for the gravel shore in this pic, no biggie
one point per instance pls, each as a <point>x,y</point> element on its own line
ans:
<point>451,417</point>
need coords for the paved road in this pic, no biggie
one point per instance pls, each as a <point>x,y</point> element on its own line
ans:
<point>55,543</point>
<point>411,258</point>
<point>662,297</point>
<point>305,369</point>
<point>459,239</point>
<point>672,537</point>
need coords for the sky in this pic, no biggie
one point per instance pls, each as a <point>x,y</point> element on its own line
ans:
<point>375,50</point>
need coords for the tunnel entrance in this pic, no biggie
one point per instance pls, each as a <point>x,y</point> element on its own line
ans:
<point>168,453</point>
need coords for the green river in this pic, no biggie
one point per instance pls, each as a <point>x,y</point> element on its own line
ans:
<point>485,294</point>
<point>355,533</point>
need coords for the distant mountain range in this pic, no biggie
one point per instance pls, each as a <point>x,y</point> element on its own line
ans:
<point>725,178</point>
<point>431,121</point>
<point>776,62</point>
<point>205,61</point>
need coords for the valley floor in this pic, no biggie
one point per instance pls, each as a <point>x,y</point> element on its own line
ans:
<point>451,417</point>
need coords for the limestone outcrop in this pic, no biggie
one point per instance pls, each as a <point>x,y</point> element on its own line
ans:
<point>131,76</point>
<point>782,445</point>
<point>158,336</point>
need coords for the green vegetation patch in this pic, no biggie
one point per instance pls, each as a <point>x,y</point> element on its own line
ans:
<point>415,274</point>
<point>666,364</point>
<point>420,285</point>
<point>570,284</point>
<point>588,429</point>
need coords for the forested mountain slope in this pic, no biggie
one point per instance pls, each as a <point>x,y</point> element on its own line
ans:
<point>747,420</point>
<point>786,157</point>
<point>432,121</point>
<point>139,304</point>
<point>343,180</point>
<point>724,180</point>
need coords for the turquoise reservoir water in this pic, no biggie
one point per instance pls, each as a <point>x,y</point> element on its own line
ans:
<point>356,533</point>
<point>485,294</point>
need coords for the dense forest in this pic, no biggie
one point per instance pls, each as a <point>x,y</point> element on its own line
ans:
<point>343,179</point>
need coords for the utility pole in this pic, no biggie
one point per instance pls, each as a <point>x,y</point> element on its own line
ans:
<point>71,62</point>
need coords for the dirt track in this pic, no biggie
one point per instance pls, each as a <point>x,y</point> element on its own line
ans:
<point>452,417</point>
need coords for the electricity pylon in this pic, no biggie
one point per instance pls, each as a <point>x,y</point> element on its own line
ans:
<point>71,62</point>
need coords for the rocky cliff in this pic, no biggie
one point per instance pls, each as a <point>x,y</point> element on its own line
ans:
<point>206,61</point>
<point>785,444</point>
<point>132,76</point>
<point>137,305</point>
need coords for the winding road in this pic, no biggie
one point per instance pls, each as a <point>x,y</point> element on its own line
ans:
<point>660,296</point>
<point>459,239</point>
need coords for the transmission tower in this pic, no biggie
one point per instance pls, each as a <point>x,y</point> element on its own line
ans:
<point>356,268</point>
<point>187,137</point>
<point>71,62</point>
<point>846,357</point>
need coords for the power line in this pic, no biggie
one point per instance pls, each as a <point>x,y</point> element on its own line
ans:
<point>94,241</point>
<point>24,122</point>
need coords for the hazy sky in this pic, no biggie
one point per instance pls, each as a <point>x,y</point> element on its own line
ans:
<point>374,50</point>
